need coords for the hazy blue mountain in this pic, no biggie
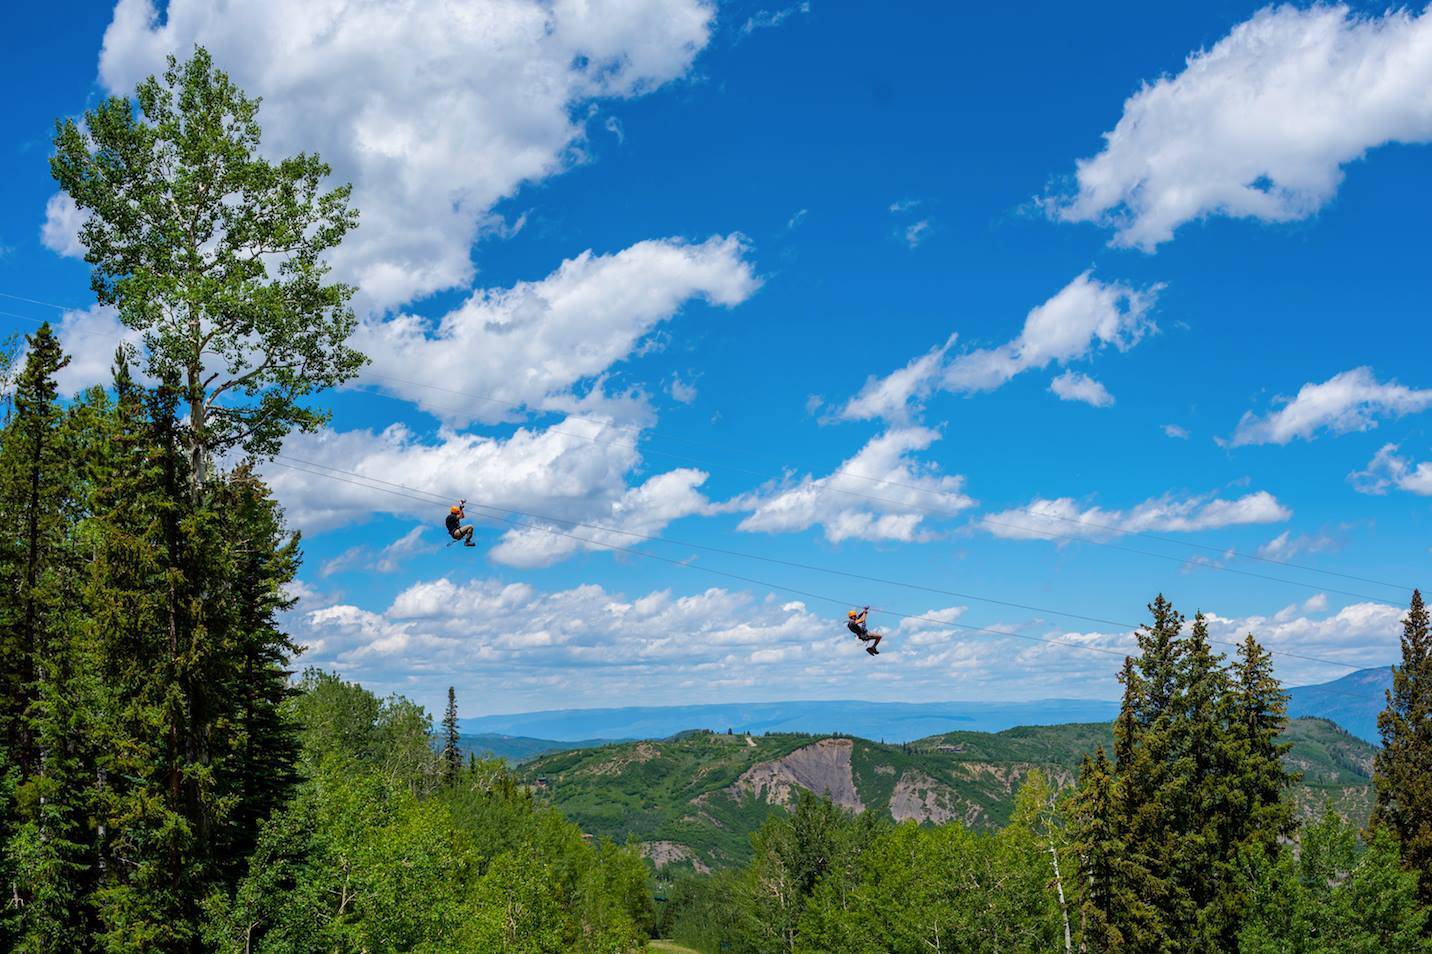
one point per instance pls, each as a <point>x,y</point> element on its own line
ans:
<point>1353,701</point>
<point>518,748</point>
<point>888,721</point>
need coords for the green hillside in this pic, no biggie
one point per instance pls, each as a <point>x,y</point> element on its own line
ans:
<point>696,798</point>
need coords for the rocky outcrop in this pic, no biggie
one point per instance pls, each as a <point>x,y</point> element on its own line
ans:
<point>822,767</point>
<point>663,853</point>
<point>919,798</point>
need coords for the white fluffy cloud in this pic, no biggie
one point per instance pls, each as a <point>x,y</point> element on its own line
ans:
<point>1076,386</point>
<point>1082,317</point>
<point>529,344</point>
<point>879,494</point>
<point>1356,636</point>
<point>1350,401</point>
<point>90,337</point>
<point>60,232</point>
<point>1062,517</point>
<point>514,646</point>
<point>1176,432</point>
<point>1261,125</point>
<point>420,539</point>
<point>575,471</point>
<point>901,393</point>
<point>1387,471</point>
<point>434,111</point>
<point>1285,545</point>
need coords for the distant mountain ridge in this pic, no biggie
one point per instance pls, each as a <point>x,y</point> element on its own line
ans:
<point>1352,701</point>
<point>891,721</point>
<point>518,748</point>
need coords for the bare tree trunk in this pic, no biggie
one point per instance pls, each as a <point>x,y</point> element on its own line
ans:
<point>1063,907</point>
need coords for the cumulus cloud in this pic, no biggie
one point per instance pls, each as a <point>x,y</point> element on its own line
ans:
<point>432,150</point>
<point>1075,386</point>
<point>1176,432</point>
<point>1350,401</point>
<point>850,503</point>
<point>90,337</point>
<point>575,471</point>
<point>901,393</point>
<point>61,230</point>
<point>1259,126</point>
<point>1061,518</point>
<point>1358,635</point>
<point>1081,318</point>
<point>531,343</point>
<point>510,645</point>
<point>516,647</point>
<point>1285,545</point>
<point>419,540</point>
<point>1387,471</point>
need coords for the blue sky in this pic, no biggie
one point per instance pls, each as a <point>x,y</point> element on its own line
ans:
<point>972,300</point>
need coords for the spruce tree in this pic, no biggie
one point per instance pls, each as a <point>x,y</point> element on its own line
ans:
<point>45,836</point>
<point>1251,814</point>
<point>256,748</point>
<point>452,750</point>
<point>33,484</point>
<point>1196,781</point>
<point>133,592</point>
<point>1402,771</point>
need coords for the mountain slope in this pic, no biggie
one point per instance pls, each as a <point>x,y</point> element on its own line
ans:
<point>698,796</point>
<point>1353,701</point>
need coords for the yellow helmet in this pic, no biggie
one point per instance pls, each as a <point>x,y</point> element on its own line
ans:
<point>852,614</point>
<point>456,509</point>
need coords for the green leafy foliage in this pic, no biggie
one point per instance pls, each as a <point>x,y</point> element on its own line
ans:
<point>215,253</point>
<point>376,852</point>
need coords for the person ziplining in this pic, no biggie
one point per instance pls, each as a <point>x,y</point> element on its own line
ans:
<point>455,528</point>
<point>855,622</point>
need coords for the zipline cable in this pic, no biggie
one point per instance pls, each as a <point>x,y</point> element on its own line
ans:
<point>958,501</point>
<point>434,498</point>
<point>1159,556</point>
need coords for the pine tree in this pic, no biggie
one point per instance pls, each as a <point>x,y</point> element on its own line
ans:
<point>452,750</point>
<point>1402,772</point>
